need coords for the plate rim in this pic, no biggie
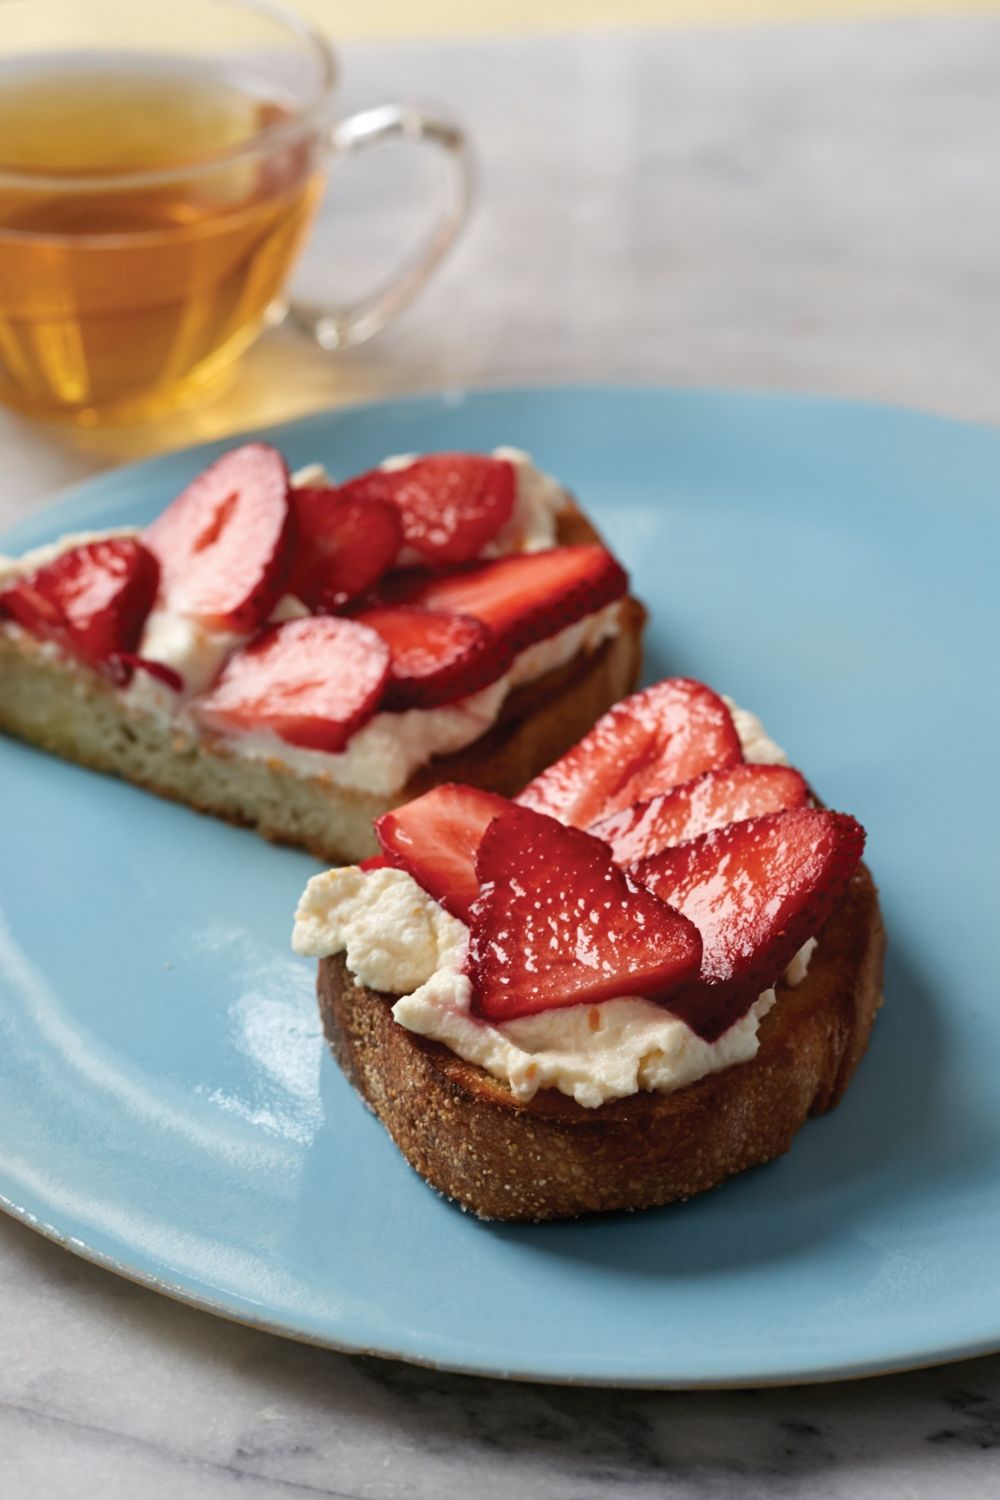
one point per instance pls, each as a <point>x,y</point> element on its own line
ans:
<point>451,398</point>
<point>66,499</point>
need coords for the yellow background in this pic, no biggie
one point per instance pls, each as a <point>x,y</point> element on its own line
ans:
<point>439,17</point>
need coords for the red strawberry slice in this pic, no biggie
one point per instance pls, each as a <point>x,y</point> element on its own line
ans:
<point>376,862</point>
<point>649,743</point>
<point>756,891</point>
<point>435,838</point>
<point>92,600</point>
<point>223,543</point>
<point>343,545</point>
<point>436,657</point>
<point>450,504</point>
<point>529,596</point>
<point>558,923</point>
<point>709,801</point>
<point>127,663</point>
<point>312,682</point>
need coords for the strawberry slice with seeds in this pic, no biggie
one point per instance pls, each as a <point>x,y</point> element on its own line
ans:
<point>450,504</point>
<point>436,657</point>
<point>223,543</point>
<point>92,600</point>
<point>557,923</point>
<point>435,838</point>
<point>311,682</point>
<point>711,800</point>
<point>649,743</point>
<point>530,596</point>
<point>343,545</point>
<point>756,891</point>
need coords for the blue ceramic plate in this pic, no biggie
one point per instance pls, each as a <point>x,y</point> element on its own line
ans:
<point>168,1108</point>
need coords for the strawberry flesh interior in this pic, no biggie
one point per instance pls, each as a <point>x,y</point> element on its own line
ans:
<point>437,658</point>
<point>223,545</point>
<point>648,743</point>
<point>343,545</point>
<point>529,596</point>
<point>712,800</point>
<point>312,682</point>
<point>450,504</point>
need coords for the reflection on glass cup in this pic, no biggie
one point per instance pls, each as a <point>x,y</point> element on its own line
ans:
<point>157,177</point>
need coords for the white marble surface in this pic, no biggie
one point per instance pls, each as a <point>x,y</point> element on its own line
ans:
<point>806,207</point>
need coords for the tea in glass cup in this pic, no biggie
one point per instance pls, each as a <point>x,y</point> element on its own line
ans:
<point>157,178</point>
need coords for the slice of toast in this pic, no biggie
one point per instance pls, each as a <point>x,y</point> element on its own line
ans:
<point>64,707</point>
<point>550,1158</point>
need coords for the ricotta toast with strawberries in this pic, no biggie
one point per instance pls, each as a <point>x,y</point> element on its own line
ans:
<point>301,655</point>
<point>636,978</point>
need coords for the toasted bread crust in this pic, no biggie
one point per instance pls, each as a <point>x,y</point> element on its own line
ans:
<point>74,713</point>
<point>550,1158</point>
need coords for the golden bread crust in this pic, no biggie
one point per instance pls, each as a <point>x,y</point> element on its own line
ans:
<point>72,712</point>
<point>551,1158</point>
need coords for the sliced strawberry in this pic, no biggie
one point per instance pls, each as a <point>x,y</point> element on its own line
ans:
<point>436,657</point>
<point>450,504</point>
<point>92,600</point>
<point>435,838</point>
<point>223,543</point>
<point>376,862</point>
<point>343,545</point>
<point>756,891</point>
<point>127,663</point>
<point>558,923</point>
<point>646,744</point>
<point>709,801</point>
<point>312,682</point>
<point>529,596</point>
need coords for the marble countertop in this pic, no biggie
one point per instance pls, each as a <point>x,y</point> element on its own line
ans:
<point>804,207</point>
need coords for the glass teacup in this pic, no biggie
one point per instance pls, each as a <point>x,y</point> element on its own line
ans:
<point>157,178</point>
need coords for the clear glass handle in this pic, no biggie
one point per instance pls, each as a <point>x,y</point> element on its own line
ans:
<point>386,125</point>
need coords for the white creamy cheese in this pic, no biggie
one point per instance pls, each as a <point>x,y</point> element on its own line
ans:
<point>538,501</point>
<point>398,940</point>
<point>758,747</point>
<point>397,934</point>
<point>191,650</point>
<point>312,477</point>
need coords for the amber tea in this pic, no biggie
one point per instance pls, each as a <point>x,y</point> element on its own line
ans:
<point>123,299</point>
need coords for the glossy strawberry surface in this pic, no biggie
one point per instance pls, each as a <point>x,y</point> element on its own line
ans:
<point>92,600</point>
<point>437,658</point>
<point>557,923</point>
<point>450,504</point>
<point>528,596</point>
<point>755,891</point>
<point>343,545</point>
<point>436,838</point>
<point>709,801</point>
<point>649,743</point>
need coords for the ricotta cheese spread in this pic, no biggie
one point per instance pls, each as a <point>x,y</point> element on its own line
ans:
<point>398,940</point>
